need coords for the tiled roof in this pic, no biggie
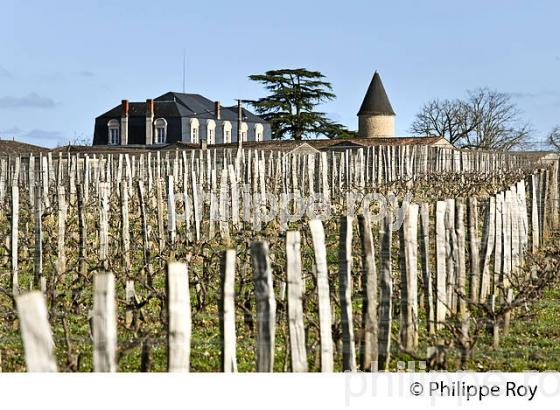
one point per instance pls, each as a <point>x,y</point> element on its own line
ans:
<point>12,147</point>
<point>288,145</point>
<point>101,149</point>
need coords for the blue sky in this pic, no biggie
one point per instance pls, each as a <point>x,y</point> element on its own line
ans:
<point>62,63</point>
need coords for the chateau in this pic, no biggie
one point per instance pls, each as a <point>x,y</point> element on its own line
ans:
<point>177,117</point>
<point>188,119</point>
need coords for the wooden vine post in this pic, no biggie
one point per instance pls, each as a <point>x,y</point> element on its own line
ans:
<point>295,305</point>
<point>104,323</point>
<point>369,348</point>
<point>35,332</point>
<point>345,278</point>
<point>325,313</point>
<point>229,358</point>
<point>266,307</point>
<point>386,291</point>
<point>179,316</point>
<point>409,268</point>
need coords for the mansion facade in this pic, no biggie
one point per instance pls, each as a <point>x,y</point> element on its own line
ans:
<point>174,117</point>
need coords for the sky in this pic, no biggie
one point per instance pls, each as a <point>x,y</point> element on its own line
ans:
<point>62,63</point>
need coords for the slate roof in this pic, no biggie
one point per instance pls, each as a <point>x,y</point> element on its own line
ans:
<point>173,104</point>
<point>247,115</point>
<point>138,109</point>
<point>376,101</point>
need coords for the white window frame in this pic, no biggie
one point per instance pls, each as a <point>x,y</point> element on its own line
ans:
<point>194,131</point>
<point>160,127</point>
<point>226,132</point>
<point>114,128</point>
<point>259,132</point>
<point>211,132</point>
<point>244,131</point>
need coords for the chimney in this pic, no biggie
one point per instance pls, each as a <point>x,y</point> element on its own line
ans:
<point>124,122</point>
<point>217,110</point>
<point>149,121</point>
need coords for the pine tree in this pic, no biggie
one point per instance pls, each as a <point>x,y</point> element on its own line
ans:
<point>290,106</point>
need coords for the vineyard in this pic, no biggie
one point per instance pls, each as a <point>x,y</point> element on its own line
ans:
<point>248,260</point>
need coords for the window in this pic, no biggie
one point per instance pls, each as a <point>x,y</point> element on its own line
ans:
<point>160,135</point>
<point>244,129</point>
<point>114,132</point>
<point>114,136</point>
<point>259,132</point>
<point>227,132</point>
<point>211,131</point>
<point>161,131</point>
<point>194,131</point>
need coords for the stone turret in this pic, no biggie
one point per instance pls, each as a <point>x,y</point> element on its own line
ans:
<point>376,118</point>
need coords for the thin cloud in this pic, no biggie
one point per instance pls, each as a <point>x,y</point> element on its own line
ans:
<point>39,134</point>
<point>31,100</point>
<point>4,73</point>
<point>550,93</point>
<point>522,95</point>
<point>35,136</point>
<point>11,131</point>
<point>85,73</point>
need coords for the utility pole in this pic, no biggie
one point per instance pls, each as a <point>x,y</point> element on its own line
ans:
<point>240,120</point>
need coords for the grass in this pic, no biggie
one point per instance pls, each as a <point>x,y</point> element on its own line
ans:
<point>533,342</point>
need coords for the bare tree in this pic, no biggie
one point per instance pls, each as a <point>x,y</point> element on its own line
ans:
<point>498,121</point>
<point>485,119</point>
<point>554,138</point>
<point>451,119</point>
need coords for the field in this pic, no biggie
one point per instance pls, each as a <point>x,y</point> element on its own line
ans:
<point>380,258</point>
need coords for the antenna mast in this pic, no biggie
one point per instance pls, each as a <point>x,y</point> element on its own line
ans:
<point>184,70</point>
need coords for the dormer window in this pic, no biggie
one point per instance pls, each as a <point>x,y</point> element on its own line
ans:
<point>160,126</point>
<point>114,132</point>
<point>211,132</point>
<point>259,130</point>
<point>194,131</point>
<point>244,129</point>
<point>227,132</point>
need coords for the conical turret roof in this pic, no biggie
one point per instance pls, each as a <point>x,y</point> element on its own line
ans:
<point>376,101</point>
